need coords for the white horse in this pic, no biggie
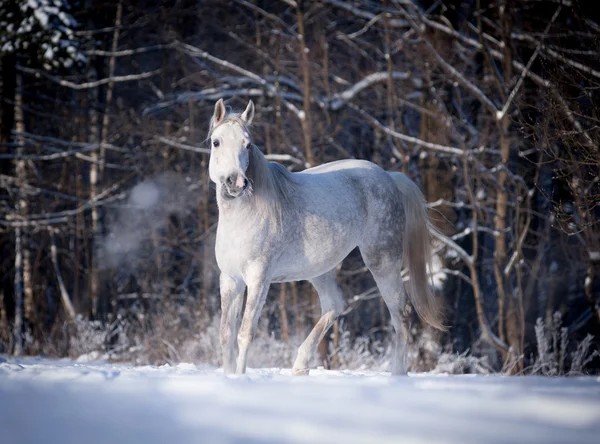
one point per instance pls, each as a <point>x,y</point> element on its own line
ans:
<point>278,226</point>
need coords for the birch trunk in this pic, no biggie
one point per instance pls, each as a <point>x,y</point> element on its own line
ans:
<point>508,309</point>
<point>305,62</point>
<point>93,176</point>
<point>110,86</point>
<point>23,281</point>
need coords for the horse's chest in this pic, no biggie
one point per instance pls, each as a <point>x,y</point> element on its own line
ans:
<point>230,253</point>
<point>236,246</point>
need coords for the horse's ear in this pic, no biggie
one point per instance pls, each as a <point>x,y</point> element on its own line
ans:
<point>219,113</point>
<point>248,114</point>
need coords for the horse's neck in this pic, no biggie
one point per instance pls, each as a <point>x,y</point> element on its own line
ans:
<point>246,210</point>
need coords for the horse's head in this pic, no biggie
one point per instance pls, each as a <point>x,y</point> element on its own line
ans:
<point>230,143</point>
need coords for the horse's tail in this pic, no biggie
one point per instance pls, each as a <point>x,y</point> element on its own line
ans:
<point>417,250</point>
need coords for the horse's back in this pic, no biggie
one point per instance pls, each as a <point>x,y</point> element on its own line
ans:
<point>347,165</point>
<point>361,181</point>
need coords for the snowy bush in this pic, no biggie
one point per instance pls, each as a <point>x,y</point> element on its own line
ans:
<point>267,350</point>
<point>180,332</point>
<point>463,363</point>
<point>552,344</point>
<point>360,353</point>
<point>89,336</point>
<point>41,31</point>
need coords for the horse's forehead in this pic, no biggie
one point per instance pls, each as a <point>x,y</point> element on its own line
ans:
<point>231,130</point>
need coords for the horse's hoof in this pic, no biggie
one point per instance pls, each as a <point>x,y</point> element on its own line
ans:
<point>300,372</point>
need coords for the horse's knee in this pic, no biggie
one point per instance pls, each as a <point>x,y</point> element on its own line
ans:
<point>228,285</point>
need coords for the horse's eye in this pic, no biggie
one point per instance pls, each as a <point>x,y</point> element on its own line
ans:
<point>216,143</point>
<point>248,145</point>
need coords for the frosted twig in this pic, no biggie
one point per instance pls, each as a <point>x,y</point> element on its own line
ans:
<point>197,52</point>
<point>393,23</point>
<point>127,52</point>
<point>340,99</point>
<point>182,146</point>
<point>89,85</point>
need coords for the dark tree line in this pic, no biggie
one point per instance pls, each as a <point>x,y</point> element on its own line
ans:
<point>107,215</point>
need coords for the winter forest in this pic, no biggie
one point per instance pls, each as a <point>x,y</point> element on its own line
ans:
<point>108,216</point>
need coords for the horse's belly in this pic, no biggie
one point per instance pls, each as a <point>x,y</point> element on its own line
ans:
<point>312,257</point>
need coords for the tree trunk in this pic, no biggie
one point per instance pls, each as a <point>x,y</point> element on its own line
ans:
<point>508,314</point>
<point>110,87</point>
<point>23,281</point>
<point>93,176</point>
<point>391,97</point>
<point>18,320</point>
<point>4,327</point>
<point>7,115</point>
<point>305,62</point>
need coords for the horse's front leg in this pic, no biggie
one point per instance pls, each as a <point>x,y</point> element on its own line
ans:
<point>232,298</point>
<point>258,286</point>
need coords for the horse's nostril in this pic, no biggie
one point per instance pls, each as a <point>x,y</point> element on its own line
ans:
<point>230,180</point>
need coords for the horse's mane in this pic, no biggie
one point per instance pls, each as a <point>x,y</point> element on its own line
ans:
<point>272,184</point>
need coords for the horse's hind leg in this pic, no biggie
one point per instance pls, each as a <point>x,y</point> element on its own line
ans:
<point>332,305</point>
<point>386,270</point>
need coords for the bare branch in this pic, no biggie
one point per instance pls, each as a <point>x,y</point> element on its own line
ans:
<point>456,75</point>
<point>558,56</point>
<point>404,137</point>
<point>182,146</point>
<point>468,259</point>
<point>266,14</point>
<point>89,85</point>
<point>393,23</point>
<point>500,114</point>
<point>453,72</point>
<point>221,93</point>
<point>196,52</point>
<point>38,223</point>
<point>337,102</point>
<point>54,156</point>
<point>62,216</point>
<point>540,81</point>
<point>127,52</point>
<point>340,99</point>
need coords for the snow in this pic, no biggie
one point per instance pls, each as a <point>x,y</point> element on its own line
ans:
<point>41,16</point>
<point>64,401</point>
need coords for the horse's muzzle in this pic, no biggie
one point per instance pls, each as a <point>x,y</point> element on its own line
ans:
<point>235,185</point>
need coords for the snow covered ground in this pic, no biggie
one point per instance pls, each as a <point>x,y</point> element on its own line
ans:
<point>62,401</point>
